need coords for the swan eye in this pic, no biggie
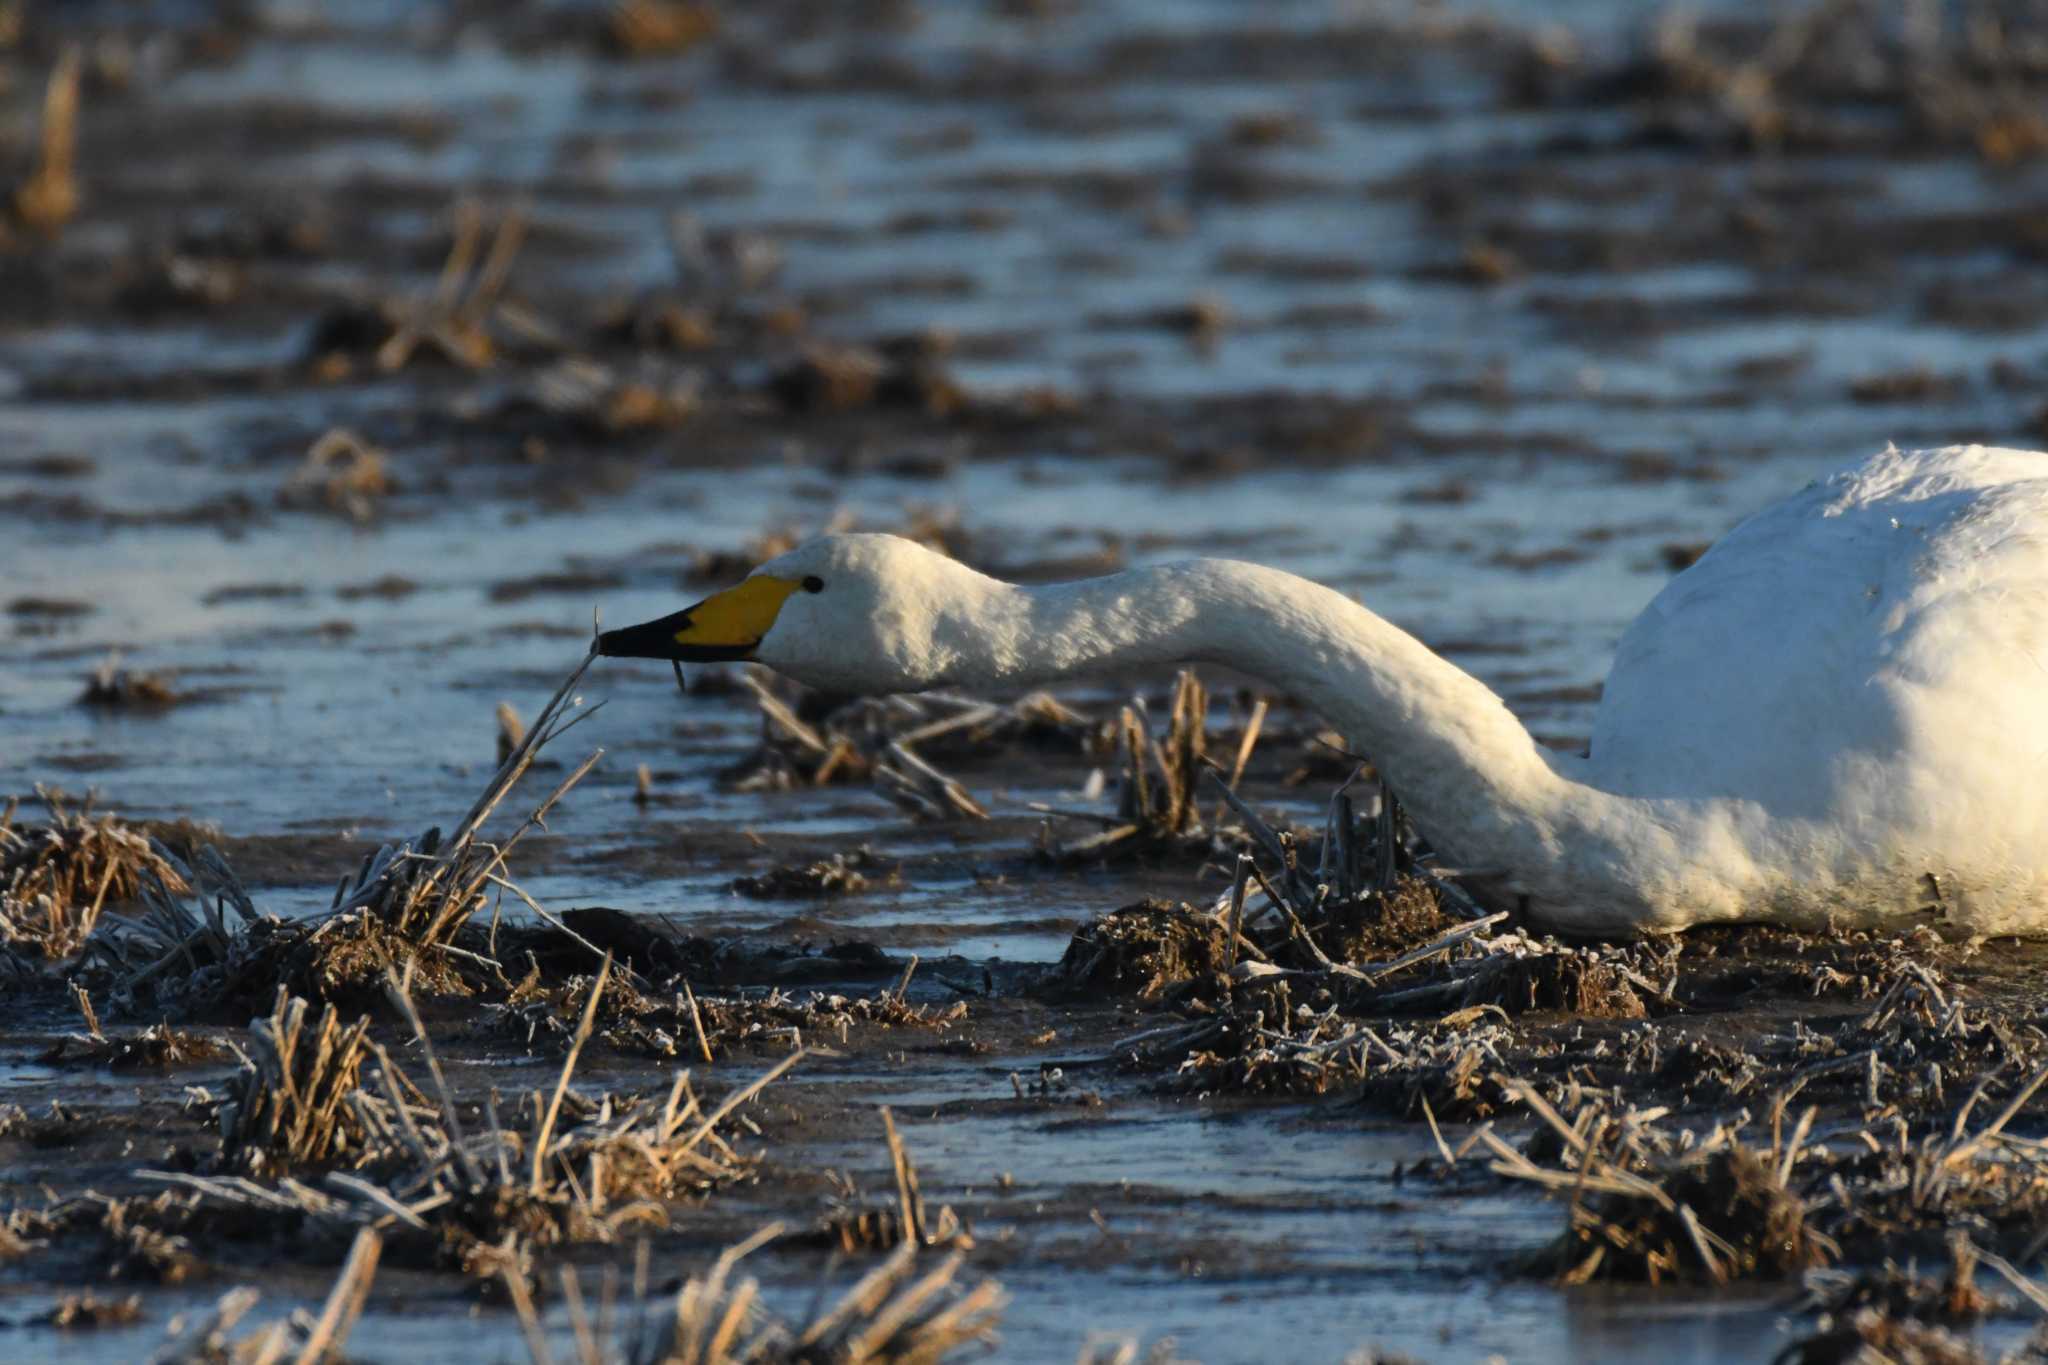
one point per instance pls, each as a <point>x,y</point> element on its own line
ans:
<point>813,583</point>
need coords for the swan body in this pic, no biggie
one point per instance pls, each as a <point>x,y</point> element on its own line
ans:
<point>1836,718</point>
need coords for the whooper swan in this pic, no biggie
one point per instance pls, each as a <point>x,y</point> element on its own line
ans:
<point>1837,718</point>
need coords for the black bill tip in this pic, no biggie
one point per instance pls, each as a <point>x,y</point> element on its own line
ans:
<point>657,640</point>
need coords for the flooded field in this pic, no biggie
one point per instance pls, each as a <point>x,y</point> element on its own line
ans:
<point>380,348</point>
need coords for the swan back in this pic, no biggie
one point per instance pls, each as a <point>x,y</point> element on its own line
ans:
<point>1825,623</point>
<point>1868,658</point>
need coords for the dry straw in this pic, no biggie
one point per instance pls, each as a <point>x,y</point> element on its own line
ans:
<point>48,199</point>
<point>56,878</point>
<point>319,1100</point>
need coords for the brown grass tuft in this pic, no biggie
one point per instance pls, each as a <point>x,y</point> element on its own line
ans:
<point>342,473</point>
<point>1870,1337</point>
<point>898,1312</point>
<point>56,878</point>
<point>684,1024</point>
<point>74,1311</point>
<point>1379,928</point>
<point>114,688</point>
<point>1159,780</point>
<point>1645,1206</point>
<point>865,745</point>
<point>293,1106</point>
<point>453,323</point>
<point>658,28</point>
<point>479,1192</point>
<point>905,1221</point>
<point>842,874</point>
<point>1585,982</point>
<point>156,1048</point>
<point>48,198</point>
<point>1142,950</point>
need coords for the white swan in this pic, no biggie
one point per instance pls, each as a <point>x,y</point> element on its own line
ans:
<point>1837,718</point>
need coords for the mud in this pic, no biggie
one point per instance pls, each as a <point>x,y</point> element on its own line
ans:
<point>371,356</point>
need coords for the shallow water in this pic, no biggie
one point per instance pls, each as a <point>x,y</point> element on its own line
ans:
<point>1528,451</point>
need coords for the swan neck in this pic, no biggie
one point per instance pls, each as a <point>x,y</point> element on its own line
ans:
<point>1476,783</point>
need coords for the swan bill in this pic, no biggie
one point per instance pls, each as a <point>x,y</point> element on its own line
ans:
<point>725,627</point>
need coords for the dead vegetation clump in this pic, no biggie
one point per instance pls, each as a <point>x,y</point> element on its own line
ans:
<point>87,1310</point>
<point>1268,1044</point>
<point>586,1169</point>
<point>47,197</point>
<point>1159,780</point>
<point>1281,917</point>
<point>158,1047</point>
<point>1649,1200</point>
<point>845,378</point>
<point>57,877</point>
<point>1729,964</point>
<point>1898,1314</point>
<point>842,874</point>
<point>684,1024</point>
<point>183,950</point>
<point>452,1186</point>
<point>1727,1213</point>
<point>781,1019</point>
<point>1895,1291</point>
<point>900,1311</point>
<point>111,687</point>
<point>1143,950</point>
<point>458,322</point>
<point>1882,1161</point>
<point>615,1167</point>
<point>1910,1196</point>
<point>904,1221</point>
<point>1647,1204</point>
<point>343,474</point>
<point>605,401</point>
<point>134,1248</point>
<point>1377,929</point>
<point>1914,1049</point>
<point>871,744</point>
<point>903,1309</point>
<point>658,28</point>
<point>881,742</point>
<point>1870,1337</point>
<point>140,1238</point>
<point>1353,964</point>
<point>1589,981</point>
<point>1882,968</point>
<point>1358,902</point>
<point>293,1108</point>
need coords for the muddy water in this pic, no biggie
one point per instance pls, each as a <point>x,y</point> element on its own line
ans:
<point>1314,289</point>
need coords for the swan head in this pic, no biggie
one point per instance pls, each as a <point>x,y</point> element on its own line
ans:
<point>844,613</point>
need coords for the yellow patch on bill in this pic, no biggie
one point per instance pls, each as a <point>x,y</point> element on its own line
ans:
<point>738,617</point>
